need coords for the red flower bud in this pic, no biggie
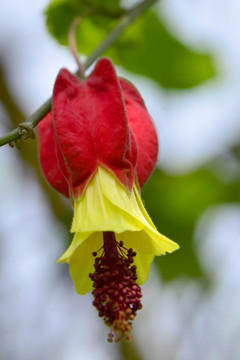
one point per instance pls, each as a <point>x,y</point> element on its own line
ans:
<point>98,121</point>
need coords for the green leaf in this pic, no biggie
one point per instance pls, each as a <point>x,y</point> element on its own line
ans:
<point>107,6</point>
<point>175,203</point>
<point>147,48</point>
<point>59,17</point>
<point>91,30</point>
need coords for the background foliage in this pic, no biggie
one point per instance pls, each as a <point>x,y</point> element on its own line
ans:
<point>169,62</point>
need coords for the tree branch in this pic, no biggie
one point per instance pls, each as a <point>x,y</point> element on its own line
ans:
<point>24,129</point>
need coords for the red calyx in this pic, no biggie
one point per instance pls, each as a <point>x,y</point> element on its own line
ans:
<point>100,120</point>
<point>141,125</point>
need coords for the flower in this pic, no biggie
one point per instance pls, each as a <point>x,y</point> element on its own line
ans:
<point>98,146</point>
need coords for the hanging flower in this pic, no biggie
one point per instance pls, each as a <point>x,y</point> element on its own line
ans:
<point>98,146</point>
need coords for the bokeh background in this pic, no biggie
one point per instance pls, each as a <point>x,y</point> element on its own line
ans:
<point>191,300</point>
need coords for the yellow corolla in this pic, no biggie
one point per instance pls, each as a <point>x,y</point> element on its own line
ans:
<point>106,206</point>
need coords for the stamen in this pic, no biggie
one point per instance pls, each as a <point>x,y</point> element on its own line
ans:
<point>117,295</point>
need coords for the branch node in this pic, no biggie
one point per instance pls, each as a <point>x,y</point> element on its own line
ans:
<point>26,131</point>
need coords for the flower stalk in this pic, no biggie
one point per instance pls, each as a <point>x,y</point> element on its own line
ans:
<point>73,47</point>
<point>72,42</point>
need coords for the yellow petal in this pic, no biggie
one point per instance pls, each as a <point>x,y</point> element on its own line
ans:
<point>107,206</point>
<point>77,240</point>
<point>82,262</point>
<point>93,212</point>
<point>116,194</point>
<point>130,207</point>
<point>142,261</point>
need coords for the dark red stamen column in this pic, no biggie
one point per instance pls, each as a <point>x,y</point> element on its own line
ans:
<point>117,295</point>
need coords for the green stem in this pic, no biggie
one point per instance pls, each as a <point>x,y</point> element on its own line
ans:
<point>125,20</point>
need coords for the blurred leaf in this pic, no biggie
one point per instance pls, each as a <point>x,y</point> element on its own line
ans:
<point>147,48</point>
<point>236,151</point>
<point>175,204</point>
<point>91,30</point>
<point>108,6</point>
<point>60,15</point>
